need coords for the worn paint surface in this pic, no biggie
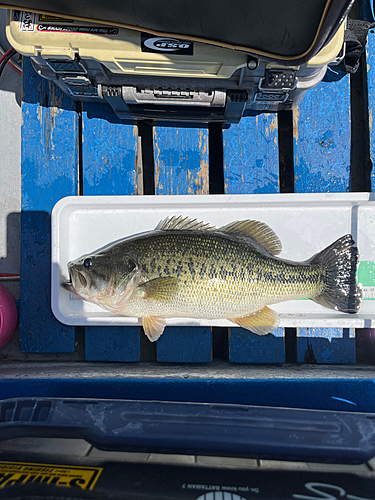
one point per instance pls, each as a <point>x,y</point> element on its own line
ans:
<point>109,150</point>
<point>251,157</point>
<point>181,161</point>
<point>325,345</point>
<point>322,164</point>
<point>109,160</point>
<point>181,167</point>
<point>49,172</point>
<point>247,347</point>
<point>114,343</point>
<point>251,165</point>
<point>185,345</point>
<point>370,57</point>
<point>342,394</point>
<point>322,139</point>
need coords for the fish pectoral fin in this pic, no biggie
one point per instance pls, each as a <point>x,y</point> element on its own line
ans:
<point>161,289</point>
<point>261,322</point>
<point>153,327</point>
<point>259,231</point>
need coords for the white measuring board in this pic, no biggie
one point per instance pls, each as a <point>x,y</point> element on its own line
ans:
<point>305,223</point>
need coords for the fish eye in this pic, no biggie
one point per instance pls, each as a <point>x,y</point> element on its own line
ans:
<point>87,262</point>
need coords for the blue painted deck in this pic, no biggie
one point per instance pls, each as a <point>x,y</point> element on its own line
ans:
<point>251,165</point>
<point>59,139</point>
<point>370,59</point>
<point>181,167</point>
<point>49,172</point>
<point>335,395</point>
<point>109,162</point>
<point>322,137</point>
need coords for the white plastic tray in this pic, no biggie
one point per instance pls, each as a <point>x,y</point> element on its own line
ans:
<point>305,224</point>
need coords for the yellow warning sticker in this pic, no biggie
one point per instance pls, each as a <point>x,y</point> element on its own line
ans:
<point>12,473</point>
<point>51,19</point>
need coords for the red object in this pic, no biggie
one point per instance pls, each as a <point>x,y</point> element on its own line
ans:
<point>7,53</point>
<point>15,69</point>
<point>8,316</point>
<point>4,56</point>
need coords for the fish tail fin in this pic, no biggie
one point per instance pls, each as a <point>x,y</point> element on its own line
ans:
<point>338,262</point>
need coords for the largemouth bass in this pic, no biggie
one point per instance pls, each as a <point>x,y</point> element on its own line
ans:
<point>185,268</point>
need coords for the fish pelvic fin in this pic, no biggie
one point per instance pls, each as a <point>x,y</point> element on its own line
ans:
<point>153,327</point>
<point>265,238</point>
<point>339,262</point>
<point>162,289</point>
<point>261,322</point>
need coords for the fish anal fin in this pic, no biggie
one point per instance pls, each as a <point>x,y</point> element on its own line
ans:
<point>261,322</point>
<point>162,289</point>
<point>180,223</point>
<point>256,230</point>
<point>153,327</point>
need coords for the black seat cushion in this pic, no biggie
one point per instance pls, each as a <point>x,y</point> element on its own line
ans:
<point>284,29</point>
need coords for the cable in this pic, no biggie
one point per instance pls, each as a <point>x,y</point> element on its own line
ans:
<point>14,65</point>
<point>8,54</point>
<point>19,71</point>
<point>5,58</point>
<point>9,277</point>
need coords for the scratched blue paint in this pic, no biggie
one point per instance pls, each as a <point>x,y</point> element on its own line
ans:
<point>185,345</point>
<point>370,56</point>
<point>251,166</point>
<point>344,400</point>
<point>181,167</point>
<point>322,132</point>
<point>322,139</point>
<point>49,172</point>
<point>326,345</point>
<point>247,347</point>
<point>326,140</point>
<point>181,160</point>
<point>293,392</point>
<point>112,343</point>
<point>109,150</point>
<point>251,157</point>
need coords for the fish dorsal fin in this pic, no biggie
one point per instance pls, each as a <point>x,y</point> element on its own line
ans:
<point>256,230</point>
<point>179,223</point>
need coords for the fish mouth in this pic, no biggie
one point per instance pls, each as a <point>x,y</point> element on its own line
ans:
<point>68,285</point>
<point>78,283</point>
